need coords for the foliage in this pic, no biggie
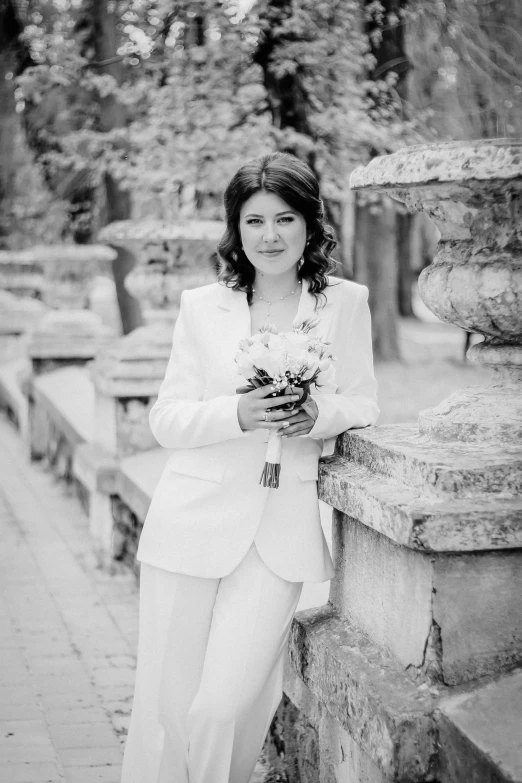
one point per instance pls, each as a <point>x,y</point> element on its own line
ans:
<point>198,101</point>
<point>467,72</point>
<point>195,97</point>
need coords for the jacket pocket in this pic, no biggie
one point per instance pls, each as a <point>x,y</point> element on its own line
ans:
<point>190,463</point>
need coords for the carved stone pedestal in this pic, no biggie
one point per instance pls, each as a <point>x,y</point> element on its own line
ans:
<point>414,665</point>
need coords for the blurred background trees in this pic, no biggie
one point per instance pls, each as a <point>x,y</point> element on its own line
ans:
<point>119,108</point>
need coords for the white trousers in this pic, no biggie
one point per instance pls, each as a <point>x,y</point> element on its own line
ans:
<point>209,673</point>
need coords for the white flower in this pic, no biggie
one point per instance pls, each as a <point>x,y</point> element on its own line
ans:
<point>327,377</point>
<point>244,363</point>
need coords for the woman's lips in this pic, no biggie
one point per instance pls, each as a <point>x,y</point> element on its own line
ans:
<point>271,252</point>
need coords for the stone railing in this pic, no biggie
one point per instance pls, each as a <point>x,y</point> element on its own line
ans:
<point>409,673</point>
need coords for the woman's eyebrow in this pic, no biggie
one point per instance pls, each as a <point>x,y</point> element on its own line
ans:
<point>278,214</point>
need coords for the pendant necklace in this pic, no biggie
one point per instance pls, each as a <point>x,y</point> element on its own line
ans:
<point>262,299</point>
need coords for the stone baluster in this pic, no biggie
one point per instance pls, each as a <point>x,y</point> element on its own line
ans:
<point>410,672</point>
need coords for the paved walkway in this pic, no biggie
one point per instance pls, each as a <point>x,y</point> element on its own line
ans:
<point>68,635</point>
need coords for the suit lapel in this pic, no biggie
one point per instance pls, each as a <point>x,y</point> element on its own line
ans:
<point>233,325</point>
<point>323,313</point>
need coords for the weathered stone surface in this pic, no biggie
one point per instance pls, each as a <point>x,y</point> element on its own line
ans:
<point>417,520</point>
<point>478,608</point>
<point>306,744</point>
<point>453,161</point>
<point>443,617</point>
<point>384,589</point>
<point>460,470</point>
<point>385,714</point>
<point>480,734</point>
<point>497,416</point>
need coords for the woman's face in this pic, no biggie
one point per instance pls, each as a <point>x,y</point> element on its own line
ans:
<point>273,234</point>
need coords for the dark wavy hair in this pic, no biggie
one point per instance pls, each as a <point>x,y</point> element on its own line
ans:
<point>296,184</point>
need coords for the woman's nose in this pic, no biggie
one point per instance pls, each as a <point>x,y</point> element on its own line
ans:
<point>270,234</point>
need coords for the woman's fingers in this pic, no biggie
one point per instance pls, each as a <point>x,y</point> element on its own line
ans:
<point>273,402</point>
<point>300,426</point>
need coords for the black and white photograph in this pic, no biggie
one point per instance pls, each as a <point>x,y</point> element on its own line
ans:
<point>260,391</point>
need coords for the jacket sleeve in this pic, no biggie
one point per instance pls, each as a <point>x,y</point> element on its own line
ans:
<point>354,403</point>
<point>180,418</point>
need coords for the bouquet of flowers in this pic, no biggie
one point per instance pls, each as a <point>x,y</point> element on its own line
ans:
<point>288,361</point>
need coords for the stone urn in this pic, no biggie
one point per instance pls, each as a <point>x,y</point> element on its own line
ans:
<point>128,373</point>
<point>68,270</point>
<point>171,257</point>
<point>473,193</point>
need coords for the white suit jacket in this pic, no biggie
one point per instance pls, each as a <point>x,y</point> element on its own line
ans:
<point>208,506</point>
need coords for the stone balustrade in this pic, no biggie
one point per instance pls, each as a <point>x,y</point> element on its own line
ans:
<point>412,670</point>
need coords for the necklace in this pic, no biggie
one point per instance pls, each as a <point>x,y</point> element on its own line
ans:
<point>262,299</point>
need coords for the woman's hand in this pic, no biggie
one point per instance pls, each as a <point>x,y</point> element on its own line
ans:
<point>303,422</point>
<point>253,405</point>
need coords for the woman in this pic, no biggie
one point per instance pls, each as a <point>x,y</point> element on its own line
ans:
<point>223,559</point>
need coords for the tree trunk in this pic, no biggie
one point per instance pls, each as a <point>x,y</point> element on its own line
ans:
<point>376,266</point>
<point>377,238</point>
<point>10,29</point>
<point>405,229</point>
<point>118,201</point>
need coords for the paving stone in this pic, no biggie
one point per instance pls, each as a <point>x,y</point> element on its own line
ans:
<point>91,757</point>
<point>30,773</point>
<point>93,774</point>
<point>60,715</point>
<point>84,735</point>
<point>23,732</point>
<point>27,753</point>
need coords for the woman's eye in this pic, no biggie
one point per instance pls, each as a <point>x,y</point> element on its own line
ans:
<point>253,221</point>
<point>287,219</point>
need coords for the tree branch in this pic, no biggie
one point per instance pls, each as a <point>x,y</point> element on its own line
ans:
<point>163,30</point>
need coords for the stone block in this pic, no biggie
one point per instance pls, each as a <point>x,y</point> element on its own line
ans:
<point>461,470</point>
<point>305,743</point>
<point>477,606</point>
<point>443,616</point>
<point>386,715</point>
<point>480,734</point>
<point>416,519</point>
<point>383,588</point>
